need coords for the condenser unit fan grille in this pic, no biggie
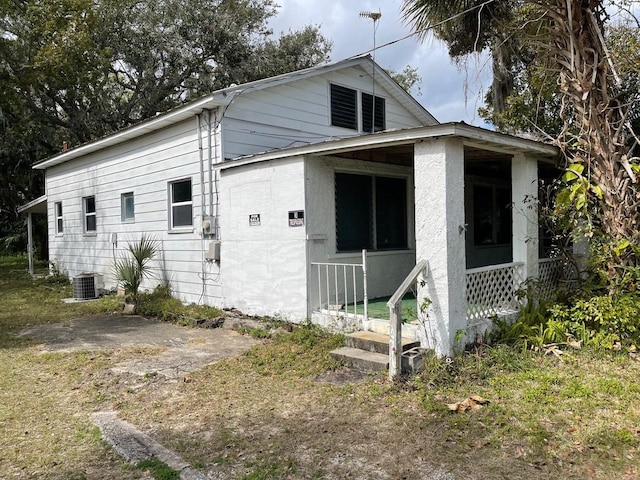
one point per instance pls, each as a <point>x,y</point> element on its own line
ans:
<point>85,287</point>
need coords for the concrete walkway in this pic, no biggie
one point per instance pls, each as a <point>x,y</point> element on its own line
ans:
<point>187,349</point>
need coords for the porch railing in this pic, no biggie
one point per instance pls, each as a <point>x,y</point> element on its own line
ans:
<point>339,286</point>
<point>395,318</point>
<point>492,290</point>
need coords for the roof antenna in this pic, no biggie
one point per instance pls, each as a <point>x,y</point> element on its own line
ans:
<point>375,16</point>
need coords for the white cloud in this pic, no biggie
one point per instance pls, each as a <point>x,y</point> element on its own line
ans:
<point>447,92</point>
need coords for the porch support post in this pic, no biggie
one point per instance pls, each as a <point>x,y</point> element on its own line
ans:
<point>524,195</point>
<point>30,242</point>
<point>440,239</point>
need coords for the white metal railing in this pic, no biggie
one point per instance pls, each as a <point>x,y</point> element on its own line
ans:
<point>395,318</point>
<point>492,290</point>
<point>339,287</point>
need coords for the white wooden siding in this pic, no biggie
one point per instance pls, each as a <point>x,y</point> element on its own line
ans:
<point>298,113</point>
<point>143,166</point>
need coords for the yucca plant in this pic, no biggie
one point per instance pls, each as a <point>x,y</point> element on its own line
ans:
<point>132,269</point>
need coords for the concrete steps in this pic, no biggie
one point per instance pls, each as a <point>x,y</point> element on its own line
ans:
<point>370,351</point>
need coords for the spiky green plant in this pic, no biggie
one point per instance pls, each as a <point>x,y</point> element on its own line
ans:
<point>132,269</point>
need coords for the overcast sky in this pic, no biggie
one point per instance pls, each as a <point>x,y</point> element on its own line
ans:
<point>449,93</point>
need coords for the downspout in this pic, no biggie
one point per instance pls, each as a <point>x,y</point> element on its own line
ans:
<point>210,164</point>
<point>201,153</point>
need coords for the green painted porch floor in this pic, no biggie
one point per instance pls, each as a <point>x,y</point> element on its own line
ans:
<point>378,308</point>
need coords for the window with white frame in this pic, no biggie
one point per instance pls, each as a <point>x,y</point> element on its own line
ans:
<point>127,211</point>
<point>89,213</point>
<point>345,108</point>
<point>371,212</point>
<point>180,205</point>
<point>59,226</point>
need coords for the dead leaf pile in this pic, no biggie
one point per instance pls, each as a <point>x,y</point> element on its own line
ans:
<point>474,402</point>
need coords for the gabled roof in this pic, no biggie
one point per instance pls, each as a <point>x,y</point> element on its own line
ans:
<point>226,95</point>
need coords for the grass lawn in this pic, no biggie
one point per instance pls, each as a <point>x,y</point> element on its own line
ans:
<point>265,415</point>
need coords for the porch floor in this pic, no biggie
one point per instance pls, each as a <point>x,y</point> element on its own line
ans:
<point>378,308</point>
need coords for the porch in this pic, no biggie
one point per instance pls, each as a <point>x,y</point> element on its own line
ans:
<point>467,210</point>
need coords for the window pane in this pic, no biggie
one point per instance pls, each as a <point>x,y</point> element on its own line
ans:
<point>503,215</point>
<point>181,191</point>
<point>353,212</point>
<point>391,213</point>
<point>127,207</point>
<point>58,209</point>
<point>181,216</point>
<point>344,105</point>
<point>59,225</point>
<point>90,205</point>
<point>483,215</point>
<point>367,110</point>
<point>90,223</point>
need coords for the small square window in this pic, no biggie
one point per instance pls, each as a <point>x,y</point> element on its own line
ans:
<point>89,212</point>
<point>59,226</point>
<point>127,211</point>
<point>180,204</point>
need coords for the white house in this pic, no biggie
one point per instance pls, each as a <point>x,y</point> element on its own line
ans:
<point>254,190</point>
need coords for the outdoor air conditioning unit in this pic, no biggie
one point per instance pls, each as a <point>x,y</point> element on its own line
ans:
<point>87,286</point>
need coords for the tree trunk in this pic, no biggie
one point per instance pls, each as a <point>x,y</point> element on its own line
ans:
<point>600,130</point>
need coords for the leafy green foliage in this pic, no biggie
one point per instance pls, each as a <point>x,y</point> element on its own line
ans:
<point>75,70</point>
<point>134,268</point>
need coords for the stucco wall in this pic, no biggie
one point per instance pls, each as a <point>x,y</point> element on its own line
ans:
<point>264,265</point>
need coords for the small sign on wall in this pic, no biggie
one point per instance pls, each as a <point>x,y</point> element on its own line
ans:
<point>296,218</point>
<point>254,220</point>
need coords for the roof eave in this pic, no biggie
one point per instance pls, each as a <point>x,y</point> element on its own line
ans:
<point>473,136</point>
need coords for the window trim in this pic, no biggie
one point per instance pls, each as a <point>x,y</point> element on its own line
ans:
<point>86,214</point>
<point>123,210</point>
<point>172,204</point>
<point>58,219</point>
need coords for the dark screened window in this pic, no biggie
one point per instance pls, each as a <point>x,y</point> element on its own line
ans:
<point>371,212</point>
<point>353,212</point>
<point>391,213</point>
<point>367,111</point>
<point>491,215</point>
<point>344,107</point>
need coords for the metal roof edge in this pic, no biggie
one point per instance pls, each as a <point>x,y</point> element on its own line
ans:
<point>146,126</point>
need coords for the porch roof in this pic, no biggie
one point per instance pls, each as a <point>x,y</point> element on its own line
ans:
<point>473,137</point>
<point>39,205</point>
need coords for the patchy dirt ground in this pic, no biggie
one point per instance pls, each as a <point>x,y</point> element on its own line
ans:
<point>182,350</point>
